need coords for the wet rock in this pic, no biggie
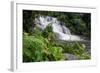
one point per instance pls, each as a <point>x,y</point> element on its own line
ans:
<point>70,56</point>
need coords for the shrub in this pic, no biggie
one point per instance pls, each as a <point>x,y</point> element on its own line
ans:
<point>56,52</point>
<point>33,48</point>
<point>76,48</point>
<point>37,48</point>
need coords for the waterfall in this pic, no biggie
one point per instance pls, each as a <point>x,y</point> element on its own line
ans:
<point>60,29</point>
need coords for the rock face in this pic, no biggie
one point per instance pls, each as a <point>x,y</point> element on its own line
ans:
<point>58,27</point>
<point>88,46</point>
<point>70,56</point>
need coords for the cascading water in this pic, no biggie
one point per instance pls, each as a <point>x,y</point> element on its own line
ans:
<point>60,29</point>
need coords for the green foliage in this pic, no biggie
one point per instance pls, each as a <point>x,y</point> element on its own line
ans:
<point>56,52</point>
<point>49,34</point>
<point>75,48</point>
<point>37,48</point>
<point>33,48</point>
<point>47,31</point>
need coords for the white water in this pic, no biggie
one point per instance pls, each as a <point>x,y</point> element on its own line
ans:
<point>62,31</point>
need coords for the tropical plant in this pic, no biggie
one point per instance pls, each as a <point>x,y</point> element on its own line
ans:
<point>37,48</point>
